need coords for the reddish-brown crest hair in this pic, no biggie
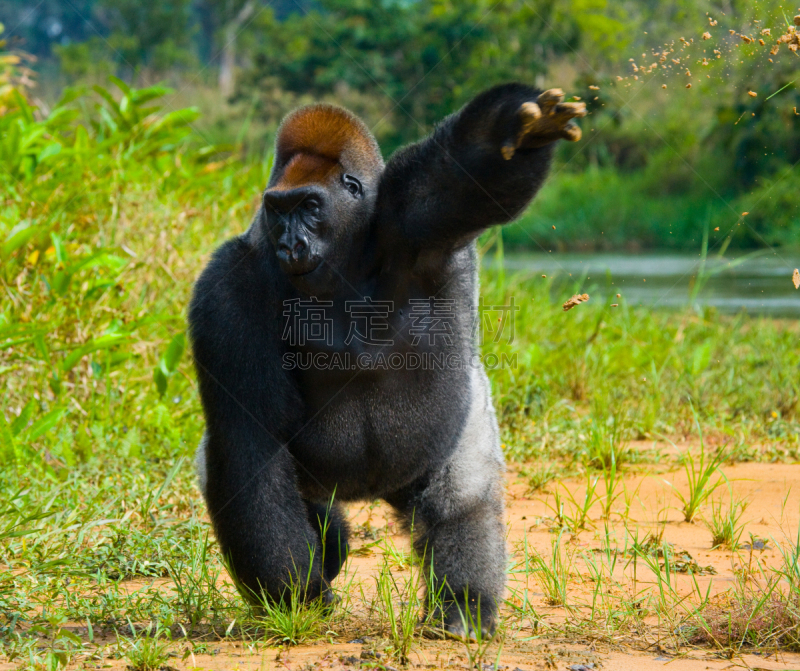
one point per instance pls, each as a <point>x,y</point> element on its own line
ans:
<point>319,141</point>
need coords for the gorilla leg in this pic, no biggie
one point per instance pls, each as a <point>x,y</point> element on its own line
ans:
<point>263,526</point>
<point>465,565</point>
<point>457,518</point>
<point>330,523</point>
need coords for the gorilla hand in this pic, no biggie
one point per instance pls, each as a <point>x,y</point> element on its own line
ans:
<point>545,121</point>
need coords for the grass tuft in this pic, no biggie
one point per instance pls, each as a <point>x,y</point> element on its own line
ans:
<point>147,651</point>
<point>725,526</point>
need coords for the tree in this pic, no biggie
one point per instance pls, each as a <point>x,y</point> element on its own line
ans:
<point>427,58</point>
<point>156,34</point>
<point>230,32</point>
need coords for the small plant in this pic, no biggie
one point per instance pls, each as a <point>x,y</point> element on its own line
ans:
<point>552,575</point>
<point>611,482</point>
<point>292,620</point>
<point>700,475</point>
<point>147,652</point>
<point>790,569</point>
<point>606,444</point>
<point>577,518</point>
<point>761,621</point>
<point>475,634</point>
<point>399,606</point>
<point>195,583</point>
<point>540,477</point>
<point>725,527</point>
<point>666,596</point>
<point>397,557</point>
<point>63,644</point>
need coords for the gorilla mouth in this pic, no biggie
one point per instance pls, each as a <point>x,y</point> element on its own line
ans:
<point>299,270</point>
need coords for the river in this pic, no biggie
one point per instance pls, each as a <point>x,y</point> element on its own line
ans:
<point>760,285</point>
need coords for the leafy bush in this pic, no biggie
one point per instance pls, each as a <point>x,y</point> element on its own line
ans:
<point>71,321</point>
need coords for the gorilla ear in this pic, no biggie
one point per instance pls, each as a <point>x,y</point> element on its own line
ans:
<point>331,133</point>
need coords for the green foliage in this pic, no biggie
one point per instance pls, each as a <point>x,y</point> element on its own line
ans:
<point>168,364</point>
<point>400,618</point>
<point>147,652</point>
<point>87,60</point>
<point>72,281</point>
<point>551,573</point>
<point>654,166</point>
<point>292,620</point>
<point>700,475</point>
<point>459,47</point>
<point>725,525</point>
<point>576,372</point>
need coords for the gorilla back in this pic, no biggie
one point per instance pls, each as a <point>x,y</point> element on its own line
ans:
<point>335,350</point>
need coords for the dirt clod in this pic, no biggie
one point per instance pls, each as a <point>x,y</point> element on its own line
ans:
<point>577,299</point>
<point>791,38</point>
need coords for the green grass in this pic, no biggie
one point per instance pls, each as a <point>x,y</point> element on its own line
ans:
<point>703,477</point>
<point>147,652</point>
<point>726,525</point>
<point>589,381</point>
<point>107,218</point>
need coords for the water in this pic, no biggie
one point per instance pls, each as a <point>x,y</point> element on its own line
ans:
<point>759,286</point>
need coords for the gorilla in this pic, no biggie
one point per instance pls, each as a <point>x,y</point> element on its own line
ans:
<point>336,356</point>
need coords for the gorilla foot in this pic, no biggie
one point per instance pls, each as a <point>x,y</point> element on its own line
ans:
<point>546,120</point>
<point>329,600</point>
<point>456,631</point>
<point>458,624</point>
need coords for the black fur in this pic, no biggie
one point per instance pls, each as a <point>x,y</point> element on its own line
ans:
<point>280,442</point>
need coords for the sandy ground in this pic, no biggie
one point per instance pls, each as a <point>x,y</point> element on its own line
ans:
<point>772,492</point>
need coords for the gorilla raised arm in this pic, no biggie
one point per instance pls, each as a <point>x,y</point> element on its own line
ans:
<point>349,265</point>
<point>480,167</point>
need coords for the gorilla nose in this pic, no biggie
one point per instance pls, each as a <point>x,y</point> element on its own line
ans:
<point>293,250</point>
<point>299,250</point>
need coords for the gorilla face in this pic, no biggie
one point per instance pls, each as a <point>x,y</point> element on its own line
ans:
<point>313,229</point>
<point>320,197</point>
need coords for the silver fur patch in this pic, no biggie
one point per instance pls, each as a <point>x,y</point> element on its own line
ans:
<point>200,464</point>
<point>474,471</point>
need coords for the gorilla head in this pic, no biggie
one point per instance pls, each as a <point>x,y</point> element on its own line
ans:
<point>321,194</point>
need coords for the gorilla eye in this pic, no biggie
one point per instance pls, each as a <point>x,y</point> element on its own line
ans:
<point>311,205</point>
<point>353,186</point>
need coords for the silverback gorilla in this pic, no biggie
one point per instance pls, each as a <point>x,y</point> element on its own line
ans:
<point>312,333</point>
